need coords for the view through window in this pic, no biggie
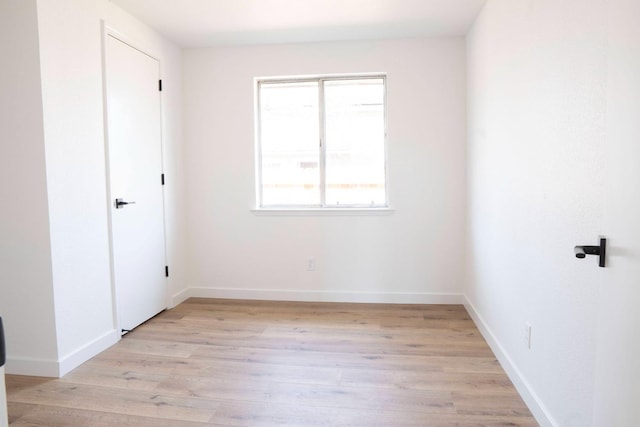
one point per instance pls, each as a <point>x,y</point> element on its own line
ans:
<point>322,142</point>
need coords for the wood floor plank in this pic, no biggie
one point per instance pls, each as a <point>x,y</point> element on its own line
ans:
<point>312,359</point>
<point>18,410</point>
<point>262,363</point>
<point>429,401</point>
<point>103,399</point>
<point>115,377</point>
<point>356,344</point>
<point>244,414</point>
<point>162,348</point>
<point>48,416</point>
<point>428,380</point>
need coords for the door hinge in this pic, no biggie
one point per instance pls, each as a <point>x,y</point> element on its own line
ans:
<point>160,85</point>
<point>162,178</point>
<point>166,271</point>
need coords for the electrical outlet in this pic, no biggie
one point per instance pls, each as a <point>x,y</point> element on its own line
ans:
<point>527,335</point>
<point>311,264</point>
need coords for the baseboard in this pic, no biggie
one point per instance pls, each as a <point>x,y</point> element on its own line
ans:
<point>320,296</point>
<point>86,352</point>
<point>525,390</point>
<point>58,368</point>
<point>180,297</point>
<point>31,367</point>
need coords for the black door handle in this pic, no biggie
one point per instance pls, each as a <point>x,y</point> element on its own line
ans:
<point>119,203</point>
<point>601,251</point>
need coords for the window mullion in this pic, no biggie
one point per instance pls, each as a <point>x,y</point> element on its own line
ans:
<point>322,143</point>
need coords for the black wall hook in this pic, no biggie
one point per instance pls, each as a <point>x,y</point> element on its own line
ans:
<point>601,251</point>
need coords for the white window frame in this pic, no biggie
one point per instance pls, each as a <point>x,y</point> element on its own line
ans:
<point>321,208</point>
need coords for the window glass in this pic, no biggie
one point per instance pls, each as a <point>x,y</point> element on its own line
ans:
<point>354,138</point>
<point>289,137</point>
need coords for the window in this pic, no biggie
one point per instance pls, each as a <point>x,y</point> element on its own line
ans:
<point>321,143</point>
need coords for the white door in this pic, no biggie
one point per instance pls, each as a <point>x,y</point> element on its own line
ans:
<point>135,170</point>
<point>617,387</point>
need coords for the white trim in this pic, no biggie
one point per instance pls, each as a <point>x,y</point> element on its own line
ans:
<point>311,77</point>
<point>109,30</point>
<point>56,369</point>
<point>322,211</point>
<point>180,297</point>
<point>31,367</point>
<point>257,127</point>
<point>321,296</point>
<point>87,351</point>
<point>531,399</point>
<point>105,123</point>
<point>322,133</point>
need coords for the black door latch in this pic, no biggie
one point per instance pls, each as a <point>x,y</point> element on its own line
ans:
<point>601,251</point>
<point>119,203</point>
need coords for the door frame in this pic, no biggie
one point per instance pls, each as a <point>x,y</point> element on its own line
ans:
<point>108,31</point>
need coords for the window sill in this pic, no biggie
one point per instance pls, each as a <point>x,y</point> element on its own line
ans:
<point>322,211</point>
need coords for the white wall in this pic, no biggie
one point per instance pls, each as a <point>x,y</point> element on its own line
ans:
<point>71,64</point>
<point>70,43</point>
<point>58,299</point>
<point>26,293</point>
<point>415,254</point>
<point>537,103</point>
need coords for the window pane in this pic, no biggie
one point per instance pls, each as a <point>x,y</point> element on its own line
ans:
<point>289,140</point>
<point>354,134</point>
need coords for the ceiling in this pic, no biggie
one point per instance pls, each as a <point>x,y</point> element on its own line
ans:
<point>200,23</point>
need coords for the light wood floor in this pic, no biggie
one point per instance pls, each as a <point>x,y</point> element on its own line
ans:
<point>243,363</point>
